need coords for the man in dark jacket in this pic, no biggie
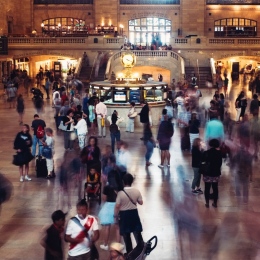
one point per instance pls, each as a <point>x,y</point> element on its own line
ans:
<point>254,106</point>
<point>164,136</point>
<point>144,114</point>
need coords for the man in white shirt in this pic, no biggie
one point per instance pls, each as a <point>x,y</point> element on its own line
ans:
<point>101,110</point>
<point>82,131</point>
<point>82,231</point>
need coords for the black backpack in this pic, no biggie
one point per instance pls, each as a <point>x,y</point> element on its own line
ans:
<point>113,128</point>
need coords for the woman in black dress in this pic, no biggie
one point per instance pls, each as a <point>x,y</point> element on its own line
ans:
<point>22,144</point>
<point>213,161</point>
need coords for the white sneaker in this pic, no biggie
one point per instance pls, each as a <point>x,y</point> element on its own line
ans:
<point>104,247</point>
<point>27,178</point>
<point>160,166</point>
<point>21,179</point>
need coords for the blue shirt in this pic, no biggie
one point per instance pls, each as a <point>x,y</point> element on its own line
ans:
<point>214,130</point>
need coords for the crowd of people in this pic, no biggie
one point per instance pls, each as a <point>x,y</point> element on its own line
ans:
<point>83,120</point>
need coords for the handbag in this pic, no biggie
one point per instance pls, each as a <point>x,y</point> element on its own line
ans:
<point>73,136</point>
<point>102,121</point>
<point>62,126</point>
<point>47,152</point>
<point>18,159</point>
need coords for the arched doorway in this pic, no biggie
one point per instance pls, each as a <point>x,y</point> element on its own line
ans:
<point>150,30</point>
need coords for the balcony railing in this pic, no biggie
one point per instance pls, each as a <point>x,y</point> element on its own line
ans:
<point>95,40</point>
<point>149,2</point>
<point>55,2</point>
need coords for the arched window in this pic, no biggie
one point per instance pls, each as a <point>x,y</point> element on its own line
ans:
<point>60,26</point>
<point>149,30</point>
<point>235,27</point>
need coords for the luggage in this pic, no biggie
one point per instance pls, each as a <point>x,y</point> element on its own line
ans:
<point>185,143</point>
<point>41,168</point>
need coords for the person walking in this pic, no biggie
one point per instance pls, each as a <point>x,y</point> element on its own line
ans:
<point>164,136</point>
<point>106,215</point>
<point>114,131</point>
<point>149,143</point>
<point>82,232</point>
<point>91,155</point>
<point>20,108</point>
<point>254,106</point>
<point>194,131</point>
<point>144,114</point>
<point>52,242</point>
<point>22,144</point>
<point>11,91</point>
<point>47,87</point>
<point>49,143</point>
<point>196,162</point>
<point>101,111</point>
<point>127,214</point>
<point>38,126</point>
<point>212,158</point>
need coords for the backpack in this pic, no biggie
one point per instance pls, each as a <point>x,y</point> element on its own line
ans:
<point>170,129</point>
<point>40,132</point>
<point>113,128</point>
<point>193,80</point>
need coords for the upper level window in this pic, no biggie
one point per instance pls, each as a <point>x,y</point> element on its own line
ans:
<point>149,2</point>
<point>235,27</point>
<point>61,26</point>
<point>46,2</point>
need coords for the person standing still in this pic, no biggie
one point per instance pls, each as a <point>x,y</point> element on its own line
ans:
<point>101,111</point>
<point>35,124</point>
<point>131,118</point>
<point>47,87</point>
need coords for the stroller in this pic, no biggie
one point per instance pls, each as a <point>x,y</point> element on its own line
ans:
<point>142,249</point>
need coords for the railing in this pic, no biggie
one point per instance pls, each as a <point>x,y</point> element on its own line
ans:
<point>90,41</point>
<point>149,2</point>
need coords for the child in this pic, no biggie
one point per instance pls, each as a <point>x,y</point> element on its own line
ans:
<point>116,251</point>
<point>93,181</point>
<point>52,240</point>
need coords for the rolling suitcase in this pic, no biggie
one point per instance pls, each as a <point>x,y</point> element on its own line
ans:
<point>41,167</point>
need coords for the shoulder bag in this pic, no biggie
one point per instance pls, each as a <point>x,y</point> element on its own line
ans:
<point>129,197</point>
<point>62,126</point>
<point>47,152</point>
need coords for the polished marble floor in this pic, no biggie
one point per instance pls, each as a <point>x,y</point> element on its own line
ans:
<point>184,227</point>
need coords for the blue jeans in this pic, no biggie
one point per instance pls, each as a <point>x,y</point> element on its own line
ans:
<point>114,137</point>
<point>36,141</point>
<point>196,178</point>
<point>149,150</point>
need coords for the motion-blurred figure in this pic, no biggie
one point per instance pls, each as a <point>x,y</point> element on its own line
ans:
<point>6,189</point>
<point>242,163</point>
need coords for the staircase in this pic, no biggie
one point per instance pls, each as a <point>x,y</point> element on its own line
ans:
<point>202,73</point>
<point>85,72</point>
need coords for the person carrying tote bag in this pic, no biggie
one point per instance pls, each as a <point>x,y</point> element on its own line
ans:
<point>127,214</point>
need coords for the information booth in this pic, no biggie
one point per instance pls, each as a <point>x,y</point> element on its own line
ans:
<point>119,96</point>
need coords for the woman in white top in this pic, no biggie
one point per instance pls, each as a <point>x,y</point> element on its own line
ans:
<point>49,141</point>
<point>82,130</point>
<point>131,118</point>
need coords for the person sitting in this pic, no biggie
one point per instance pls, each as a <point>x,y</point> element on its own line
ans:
<point>93,181</point>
